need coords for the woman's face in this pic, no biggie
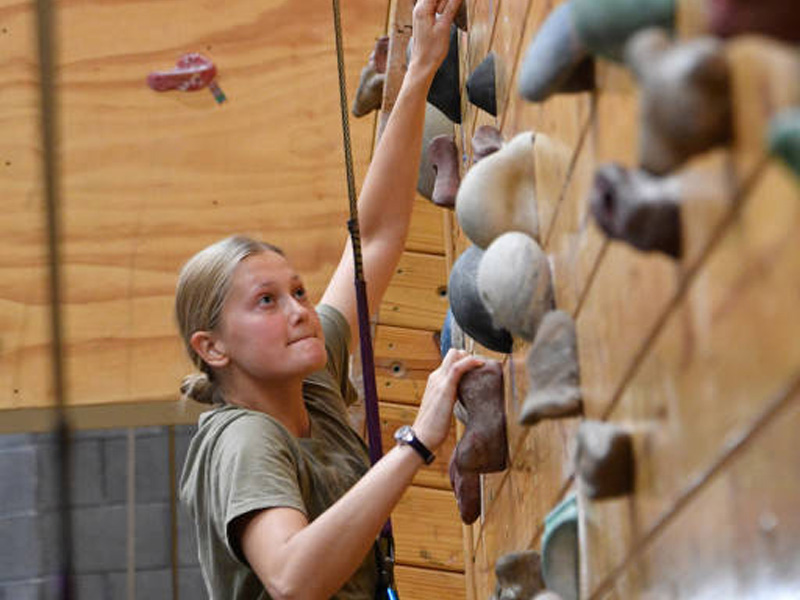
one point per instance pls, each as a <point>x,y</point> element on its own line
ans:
<point>269,329</point>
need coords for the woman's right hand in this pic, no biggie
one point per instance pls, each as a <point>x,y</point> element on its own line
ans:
<point>431,33</point>
<point>436,409</point>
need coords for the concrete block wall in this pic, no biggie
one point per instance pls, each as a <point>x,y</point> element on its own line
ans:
<point>29,517</point>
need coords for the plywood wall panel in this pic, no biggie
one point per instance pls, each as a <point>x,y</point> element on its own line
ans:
<point>426,232</point>
<point>738,537</point>
<point>403,360</point>
<point>417,295</point>
<point>427,530</point>
<point>723,357</point>
<point>414,582</point>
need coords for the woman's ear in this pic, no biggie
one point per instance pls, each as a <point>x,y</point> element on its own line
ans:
<point>209,348</point>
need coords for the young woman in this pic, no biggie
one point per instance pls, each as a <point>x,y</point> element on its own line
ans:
<point>284,502</point>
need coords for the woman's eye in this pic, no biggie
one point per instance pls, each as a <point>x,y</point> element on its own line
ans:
<point>300,293</point>
<point>266,299</point>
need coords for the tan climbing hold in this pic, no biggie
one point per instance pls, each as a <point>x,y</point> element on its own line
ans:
<point>373,76</point>
<point>497,194</point>
<point>519,576</point>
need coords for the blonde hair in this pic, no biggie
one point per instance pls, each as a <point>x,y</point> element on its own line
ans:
<point>202,288</point>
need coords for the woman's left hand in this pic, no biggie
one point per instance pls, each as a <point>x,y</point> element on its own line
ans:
<point>431,33</point>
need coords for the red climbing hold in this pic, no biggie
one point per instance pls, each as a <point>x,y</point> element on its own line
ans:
<point>192,72</point>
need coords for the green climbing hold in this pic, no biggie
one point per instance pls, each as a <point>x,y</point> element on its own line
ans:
<point>784,138</point>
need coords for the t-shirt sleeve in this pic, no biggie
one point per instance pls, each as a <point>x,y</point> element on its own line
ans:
<point>337,343</point>
<point>255,468</point>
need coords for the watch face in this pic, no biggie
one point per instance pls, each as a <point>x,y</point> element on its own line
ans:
<point>404,434</point>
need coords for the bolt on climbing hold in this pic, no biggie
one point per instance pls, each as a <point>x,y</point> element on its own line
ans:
<point>484,446</point>
<point>604,459</point>
<point>498,194</point>
<point>192,72</point>
<point>468,308</point>
<point>685,105</point>
<point>444,157</point>
<point>519,576</point>
<point>482,86</point>
<point>373,76</point>
<point>436,124</point>
<point>784,138</point>
<point>556,61</point>
<point>514,284</point>
<point>486,140</point>
<point>560,555</point>
<point>445,90</point>
<point>636,207</point>
<point>553,371</point>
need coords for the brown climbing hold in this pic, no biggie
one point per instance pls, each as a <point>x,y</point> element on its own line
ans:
<point>604,459</point>
<point>483,448</point>
<point>776,18</point>
<point>436,124</point>
<point>486,140</point>
<point>443,156</point>
<point>370,87</point>
<point>519,576</point>
<point>553,371</point>
<point>467,488</point>
<point>639,208</point>
<point>685,103</point>
<point>514,284</point>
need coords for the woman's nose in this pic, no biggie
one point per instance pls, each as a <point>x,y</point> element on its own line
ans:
<point>295,309</point>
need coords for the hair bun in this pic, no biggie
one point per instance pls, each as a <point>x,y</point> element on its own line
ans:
<point>199,388</point>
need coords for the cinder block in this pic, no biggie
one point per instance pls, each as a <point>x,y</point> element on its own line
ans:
<point>23,590</point>
<point>153,544</point>
<point>150,585</point>
<point>152,468</point>
<point>85,587</point>
<point>191,585</point>
<point>16,440</point>
<point>21,548</point>
<point>17,480</point>
<point>86,474</point>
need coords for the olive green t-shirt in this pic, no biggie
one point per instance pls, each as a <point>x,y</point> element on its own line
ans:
<point>241,461</point>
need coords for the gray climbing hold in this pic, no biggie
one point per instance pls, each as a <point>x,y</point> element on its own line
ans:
<point>553,372</point>
<point>514,284</point>
<point>467,306</point>
<point>497,194</point>
<point>445,90</point>
<point>556,61</point>
<point>436,124</point>
<point>636,207</point>
<point>604,459</point>
<point>482,86</point>
<point>519,576</point>
<point>685,101</point>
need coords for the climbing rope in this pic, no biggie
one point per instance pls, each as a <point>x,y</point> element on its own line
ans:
<point>384,548</point>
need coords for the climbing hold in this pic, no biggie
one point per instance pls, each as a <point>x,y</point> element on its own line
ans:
<point>784,138</point>
<point>445,90</point>
<point>553,372</point>
<point>519,576</point>
<point>547,595</point>
<point>192,72</point>
<point>556,61</point>
<point>443,155</point>
<point>498,194</point>
<point>436,124</point>
<point>467,306</point>
<point>370,87</point>
<point>486,140</point>
<point>461,19</point>
<point>467,489</point>
<point>604,26</point>
<point>685,105</point>
<point>514,284</point>
<point>639,208</point>
<point>481,86</point>
<point>604,459</point>
<point>776,18</point>
<point>484,447</point>
<point>560,556</point>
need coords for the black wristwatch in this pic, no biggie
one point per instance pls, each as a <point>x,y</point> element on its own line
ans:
<point>406,436</point>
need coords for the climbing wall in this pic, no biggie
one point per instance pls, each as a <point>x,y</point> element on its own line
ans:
<point>698,358</point>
